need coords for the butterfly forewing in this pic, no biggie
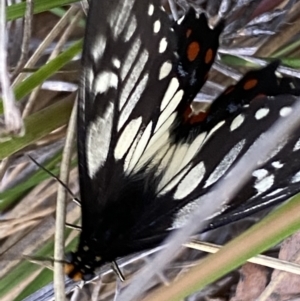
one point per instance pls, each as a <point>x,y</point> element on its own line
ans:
<point>128,80</point>
<point>127,67</point>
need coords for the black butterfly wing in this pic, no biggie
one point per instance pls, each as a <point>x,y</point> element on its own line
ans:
<point>127,66</point>
<point>273,182</point>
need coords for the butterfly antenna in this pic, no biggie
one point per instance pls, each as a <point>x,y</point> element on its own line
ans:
<point>117,271</point>
<point>42,260</point>
<point>56,178</point>
<point>74,227</point>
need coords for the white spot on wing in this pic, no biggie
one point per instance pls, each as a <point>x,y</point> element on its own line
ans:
<point>174,181</point>
<point>130,152</point>
<point>261,113</point>
<point>128,32</point>
<point>165,70</point>
<point>156,26</point>
<point>296,178</point>
<point>130,57</point>
<point>259,174</point>
<point>225,164</point>
<point>171,167</point>
<point>127,137</point>
<point>172,88</point>
<point>214,129</point>
<point>98,46</point>
<point>159,154</point>
<point>297,146</point>
<point>116,62</point>
<point>193,150</point>
<point>285,111</point>
<point>119,16</point>
<point>98,140</point>
<point>134,98</point>
<point>133,77</point>
<point>277,164</point>
<point>171,107</point>
<point>236,122</point>
<point>150,9</point>
<point>138,151</point>
<point>164,164</point>
<point>163,44</point>
<point>264,184</point>
<point>157,141</point>
<point>276,191</point>
<point>163,129</point>
<point>179,21</point>
<point>104,81</point>
<point>190,181</point>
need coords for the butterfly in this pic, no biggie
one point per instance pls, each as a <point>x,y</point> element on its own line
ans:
<point>144,154</point>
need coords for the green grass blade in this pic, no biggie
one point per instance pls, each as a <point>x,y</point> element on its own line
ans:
<point>16,11</point>
<point>38,126</point>
<point>38,77</point>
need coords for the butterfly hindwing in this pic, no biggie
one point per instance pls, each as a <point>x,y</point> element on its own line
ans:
<point>274,180</point>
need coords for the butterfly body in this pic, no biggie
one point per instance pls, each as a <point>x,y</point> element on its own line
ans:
<point>144,156</point>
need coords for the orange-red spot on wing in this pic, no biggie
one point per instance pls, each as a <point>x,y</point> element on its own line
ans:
<point>70,271</point>
<point>191,117</point>
<point>188,33</point>
<point>68,268</point>
<point>201,116</point>
<point>77,276</point>
<point>193,51</point>
<point>249,84</point>
<point>209,56</point>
